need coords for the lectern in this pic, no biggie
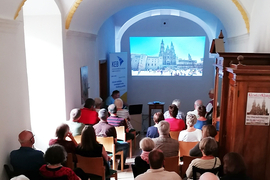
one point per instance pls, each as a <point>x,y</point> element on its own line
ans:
<point>242,85</point>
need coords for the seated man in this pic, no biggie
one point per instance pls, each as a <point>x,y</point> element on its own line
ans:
<point>88,113</point>
<point>180,114</point>
<point>169,146</point>
<point>74,126</point>
<point>197,103</point>
<point>117,121</point>
<point>27,160</point>
<point>103,129</point>
<point>156,171</point>
<point>111,98</point>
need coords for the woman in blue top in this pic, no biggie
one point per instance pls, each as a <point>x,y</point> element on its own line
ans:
<point>152,131</point>
<point>201,121</point>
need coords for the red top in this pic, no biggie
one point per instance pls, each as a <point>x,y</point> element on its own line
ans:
<point>57,172</point>
<point>176,124</point>
<point>88,116</point>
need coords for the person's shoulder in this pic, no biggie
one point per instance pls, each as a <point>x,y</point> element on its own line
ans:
<point>173,175</point>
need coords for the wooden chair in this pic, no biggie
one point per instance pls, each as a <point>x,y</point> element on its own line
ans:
<point>196,170</point>
<point>93,165</point>
<point>185,147</point>
<point>78,139</point>
<point>172,164</point>
<point>108,144</point>
<point>174,134</point>
<point>120,131</point>
<point>184,165</point>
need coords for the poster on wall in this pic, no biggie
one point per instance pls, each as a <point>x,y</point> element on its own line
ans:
<point>118,74</point>
<point>258,109</point>
<point>84,84</point>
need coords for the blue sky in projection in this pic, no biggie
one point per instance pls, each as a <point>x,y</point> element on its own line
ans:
<point>193,45</point>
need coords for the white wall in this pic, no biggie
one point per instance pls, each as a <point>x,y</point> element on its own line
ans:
<point>187,89</point>
<point>14,103</point>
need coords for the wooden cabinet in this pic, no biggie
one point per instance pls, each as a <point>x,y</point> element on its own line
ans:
<point>234,81</point>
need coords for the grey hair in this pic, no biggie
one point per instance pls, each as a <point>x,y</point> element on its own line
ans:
<point>163,127</point>
<point>177,102</point>
<point>147,144</point>
<point>191,119</point>
<point>198,103</point>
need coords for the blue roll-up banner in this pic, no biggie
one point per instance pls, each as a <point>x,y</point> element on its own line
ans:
<point>118,74</point>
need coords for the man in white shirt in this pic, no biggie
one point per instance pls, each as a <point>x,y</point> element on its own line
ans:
<point>209,106</point>
<point>156,171</point>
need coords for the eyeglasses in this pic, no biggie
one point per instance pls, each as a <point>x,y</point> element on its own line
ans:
<point>32,137</point>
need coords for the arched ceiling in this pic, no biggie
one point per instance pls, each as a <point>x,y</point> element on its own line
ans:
<point>89,15</point>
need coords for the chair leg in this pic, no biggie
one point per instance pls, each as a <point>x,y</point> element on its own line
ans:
<point>122,161</point>
<point>114,162</point>
<point>130,149</point>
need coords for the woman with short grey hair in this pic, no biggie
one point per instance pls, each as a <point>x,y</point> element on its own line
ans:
<point>191,134</point>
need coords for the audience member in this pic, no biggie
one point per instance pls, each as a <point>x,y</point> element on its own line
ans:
<point>197,103</point>
<point>98,103</point>
<point>27,160</point>
<point>88,113</point>
<point>55,156</point>
<point>191,134</point>
<point>175,124</point>
<point>234,167</point>
<point>209,106</point>
<point>104,129</point>
<point>20,177</point>
<point>207,146</point>
<point>156,171</point>
<point>207,131</point>
<point>152,131</point>
<point>180,115</point>
<point>201,121</point>
<point>75,127</point>
<point>169,146</point>
<point>111,98</point>
<point>142,161</point>
<point>117,121</point>
<point>208,176</point>
<point>89,147</point>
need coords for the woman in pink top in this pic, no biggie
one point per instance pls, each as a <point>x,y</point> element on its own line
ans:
<point>175,124</point>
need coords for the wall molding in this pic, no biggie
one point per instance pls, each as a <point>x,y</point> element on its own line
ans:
<point>9,26</point>
<point>19,9</point>
<point>91,37</point>
<point>243,13</point>
<point>71,13</point>
<point>238,39</point>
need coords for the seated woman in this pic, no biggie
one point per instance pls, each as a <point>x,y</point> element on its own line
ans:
<point>89,147</point>
<point>55,156</point>
<point>207,131</point>
<point>234,167</point>
<point>98,103</point>
<point>152,131</point>
<point>141,162</point>
<point>175,124</point>
<point>201,121</point>
<point>191,134</point>
<point>207,146</point>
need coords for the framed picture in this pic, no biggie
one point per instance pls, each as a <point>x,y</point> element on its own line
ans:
<point>84,83</point>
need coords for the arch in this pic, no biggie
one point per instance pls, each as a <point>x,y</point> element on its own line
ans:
<point>19,9</point>
<point>71,13</point>
<point>158,12</point>
<point>243,13</point>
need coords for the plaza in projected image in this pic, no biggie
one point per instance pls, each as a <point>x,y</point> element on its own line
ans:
<point>184,56</point>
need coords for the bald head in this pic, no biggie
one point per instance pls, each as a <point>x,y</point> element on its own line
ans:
<point>26,138</point>
<point>208,176</point>
<point>198,103</point>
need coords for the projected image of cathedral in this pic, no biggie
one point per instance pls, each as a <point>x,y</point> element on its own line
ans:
<point>166,64</point>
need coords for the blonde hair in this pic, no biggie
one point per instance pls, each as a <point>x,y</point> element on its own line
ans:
<point>191,120</point>
<point>118,103</point>
<point>163,127</point>
<point>147,144</point>
<point>208,145</point>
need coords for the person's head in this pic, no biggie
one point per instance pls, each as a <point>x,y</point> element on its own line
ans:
<point>115,94</point>
<point>208,146</point>
<point>173,110</point>
<point>118,103</point>
<point>156,159</point>
<point>75,114</point>
<point>234,164</point>
<point>88,138</point>
<point>208,176</point>
<point>191,119</point>
<point>158,116</point>
<point>163,128</point>
<point>89,103</point>
<point>209,131</point>
<point>62,131</point>
<point>98,102</point>
<point>112,109</point>
<point>197,103</point>
<point>177,103</point>
<point>55,154</point>
<point>26,138</point>
<point>103,114</point>
<point>201,110</point>
<point>211,94</point>
<point>147,144</point>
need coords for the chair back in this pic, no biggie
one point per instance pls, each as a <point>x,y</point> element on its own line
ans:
<point>120,131</point>
<point>107,142</point>
<point>91,165</point>
<point>185,163</point>
<point>185,147</point>
<point>172,164</point>
<point>78,138</point>
<point>174,134</point>
<point>196,170</point>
